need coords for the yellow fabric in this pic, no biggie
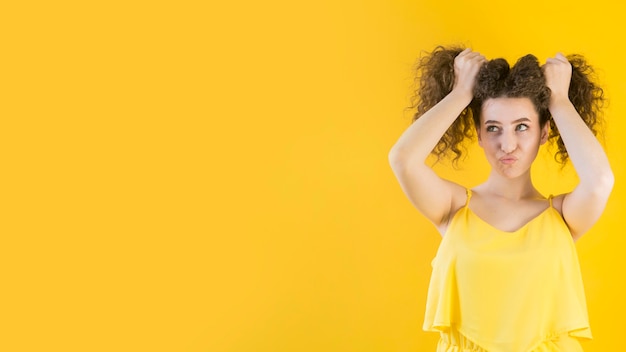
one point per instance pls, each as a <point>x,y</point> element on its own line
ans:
<point>453,341</point>
<point>507,291</point>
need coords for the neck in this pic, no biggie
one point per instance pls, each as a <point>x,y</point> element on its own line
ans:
<point>511,188</point>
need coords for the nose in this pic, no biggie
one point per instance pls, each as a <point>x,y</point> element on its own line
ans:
<point>508,143</point>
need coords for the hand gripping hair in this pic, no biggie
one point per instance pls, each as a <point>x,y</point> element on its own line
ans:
<point>435,79</point>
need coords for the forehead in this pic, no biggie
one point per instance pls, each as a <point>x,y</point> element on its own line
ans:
<point>508,109</point>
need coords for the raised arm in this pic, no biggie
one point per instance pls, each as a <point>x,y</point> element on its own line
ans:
<point>430,194</point>
<point>583,206</point>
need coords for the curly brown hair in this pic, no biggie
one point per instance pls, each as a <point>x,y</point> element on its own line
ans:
<point>434,79</point>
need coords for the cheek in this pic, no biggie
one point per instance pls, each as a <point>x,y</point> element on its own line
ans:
<point>489,144</point>
<point>531,142</point>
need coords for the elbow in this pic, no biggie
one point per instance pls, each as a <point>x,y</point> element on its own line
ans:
<point>602,183</point>
<point>397,159</point>
<point>402,157</point>
<point>598,184</point>
<point>393,156</point>
<point>607,181</point>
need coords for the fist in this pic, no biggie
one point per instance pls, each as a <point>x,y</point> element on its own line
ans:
<point>558,73</point>
<point>466,67</point>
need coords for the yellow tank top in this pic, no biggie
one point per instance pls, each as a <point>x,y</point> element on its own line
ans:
<point>507,291</point>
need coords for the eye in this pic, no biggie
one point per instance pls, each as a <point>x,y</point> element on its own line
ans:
<point>522,127</point>
<point>492,128</point>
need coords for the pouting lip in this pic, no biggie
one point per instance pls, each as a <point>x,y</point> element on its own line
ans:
<point>508,159</point>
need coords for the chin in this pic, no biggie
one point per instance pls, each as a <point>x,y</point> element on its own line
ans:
<point>511,173</point>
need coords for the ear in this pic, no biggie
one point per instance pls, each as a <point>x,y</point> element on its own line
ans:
<point>545,133</point>
<point>480,140</point>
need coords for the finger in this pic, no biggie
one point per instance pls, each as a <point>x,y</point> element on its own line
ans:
<point>473,55</point>
<point>552,60</point>
<point>465,52</point>
<point>560,56</point>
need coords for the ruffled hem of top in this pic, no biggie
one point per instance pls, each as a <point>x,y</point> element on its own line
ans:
<point>452,340</point>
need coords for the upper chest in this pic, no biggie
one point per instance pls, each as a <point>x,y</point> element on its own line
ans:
<point>507,216</point>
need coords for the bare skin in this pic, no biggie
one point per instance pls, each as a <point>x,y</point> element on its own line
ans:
<point>510,135</point>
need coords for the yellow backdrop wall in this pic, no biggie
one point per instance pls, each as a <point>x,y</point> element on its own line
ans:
<point>213,176</point>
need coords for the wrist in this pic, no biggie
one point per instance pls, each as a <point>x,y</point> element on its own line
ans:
<point>462,95</point>
<point>559,99</point>
<point>559,103</point>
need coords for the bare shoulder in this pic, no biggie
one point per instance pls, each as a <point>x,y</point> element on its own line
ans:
<point>557,202</point>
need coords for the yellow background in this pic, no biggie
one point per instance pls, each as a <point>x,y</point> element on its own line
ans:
<point>213,176</point>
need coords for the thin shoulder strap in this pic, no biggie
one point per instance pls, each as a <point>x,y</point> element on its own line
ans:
<point>550,200</point>
<point>469,195</point>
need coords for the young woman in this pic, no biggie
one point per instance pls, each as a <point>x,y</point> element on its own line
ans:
<point>506,276</point>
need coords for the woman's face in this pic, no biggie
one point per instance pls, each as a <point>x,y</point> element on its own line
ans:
<point>510,135</point>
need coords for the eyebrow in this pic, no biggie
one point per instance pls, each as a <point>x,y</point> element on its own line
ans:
<point>523,119</point>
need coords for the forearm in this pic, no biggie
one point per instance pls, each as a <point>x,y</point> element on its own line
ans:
<point>417,142</point>
<point>584,150</point>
